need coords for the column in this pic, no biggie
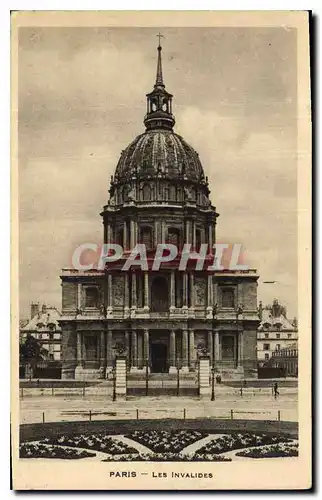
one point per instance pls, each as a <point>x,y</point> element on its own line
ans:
<point>209,293</point>
<point>146,291</point>
<point>192,351</point>
<point>79,348</point>
<point>125,235</point>
<point>146,353</point>
<point>134,340</point>
<point>185,350</point>
<point>172,351</point>
<point>133,290</point>
<point>162,232</point>
<point>102,350</point>
<point>132,234</point>
<point>79,296</point>
<point>109,347</point>
<point>83,349</point>
<point>194,234</point>
<point>185,290</point>
<point>210,346</point>
<point>126,291</point>
<point>192,291</point>
<point>109,291</point>
<point>172,291</point>
<point>108,232</point>
<point>210,238</point>
<point>156,228</point>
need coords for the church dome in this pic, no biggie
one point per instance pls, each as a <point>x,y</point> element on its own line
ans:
<point>159,152</point>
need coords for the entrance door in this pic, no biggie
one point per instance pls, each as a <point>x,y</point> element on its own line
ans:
<point>158,358</point>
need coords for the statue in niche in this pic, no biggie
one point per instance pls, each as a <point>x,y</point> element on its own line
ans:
<point>188,195</point>
<point>200,287</point>
<point>131,195</point>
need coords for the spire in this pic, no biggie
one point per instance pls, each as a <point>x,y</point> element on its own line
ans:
<point>159,101</point>
<point>159,78</point>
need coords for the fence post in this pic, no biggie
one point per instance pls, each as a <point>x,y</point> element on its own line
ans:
<point>84,389</point>
<point>137,414</point>
<point>184,414</point>
<point>43,417</point>
<point>231,414</point>
<point>90,415</point>
<point>279,415</point>
<point>52,389</point>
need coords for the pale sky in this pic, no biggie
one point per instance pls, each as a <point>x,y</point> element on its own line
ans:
<point>82,101</point>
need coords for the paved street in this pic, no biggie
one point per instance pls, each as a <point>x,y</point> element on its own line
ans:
<point>260,405</point>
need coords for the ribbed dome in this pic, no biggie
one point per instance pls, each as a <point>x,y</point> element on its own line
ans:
<point>159,152</point>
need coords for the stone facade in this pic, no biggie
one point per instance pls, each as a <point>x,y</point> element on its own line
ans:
<point>165,318</point>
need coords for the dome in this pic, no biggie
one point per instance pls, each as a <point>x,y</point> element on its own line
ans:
<point>159,152</point>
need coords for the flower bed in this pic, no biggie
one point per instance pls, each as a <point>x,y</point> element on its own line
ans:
<point>33,450</point>
<point>166,441</point>
<point>235,441</point>
<point>167,457</point>
<point>274,451</point>
<point>98,442</point>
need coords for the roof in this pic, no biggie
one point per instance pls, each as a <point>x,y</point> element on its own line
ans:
<point>159,152</point>
<point>272,322</point>
<point>42,320</point>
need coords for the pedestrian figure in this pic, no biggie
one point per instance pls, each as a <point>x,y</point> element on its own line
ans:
<point>218,379</point>
<point>245,383</point>
<point>276,392</point>
<point>38,381</point>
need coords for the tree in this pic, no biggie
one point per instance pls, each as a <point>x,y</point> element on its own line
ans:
<point>31,352</point>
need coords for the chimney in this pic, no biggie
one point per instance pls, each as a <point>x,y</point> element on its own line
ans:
<point>43,309</point>
<point>34,309</point>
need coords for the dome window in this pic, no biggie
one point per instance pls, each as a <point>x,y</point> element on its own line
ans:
<point>174,236</point>
<point>146,191</point>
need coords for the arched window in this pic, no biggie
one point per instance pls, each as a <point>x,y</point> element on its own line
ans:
<point>174,236</point>
<point>198,238</point>
<point>146,192</point>
<point>146,237</point>
<point>91,296</point>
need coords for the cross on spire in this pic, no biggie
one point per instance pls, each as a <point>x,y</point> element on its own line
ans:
<point>159,35</point>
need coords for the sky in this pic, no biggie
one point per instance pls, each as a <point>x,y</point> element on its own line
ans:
<point>82,101</point>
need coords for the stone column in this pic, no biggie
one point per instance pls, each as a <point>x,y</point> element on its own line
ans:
<point>146,353</point>
<point>132,234</point>
<point>192,291</point>
<point>146,291</point>
<point>134,302</point>
<point>79,348</point>
<point>185,290</point>
<point>79,296</point>
<point>162,232</point>
<point>194,235</point>
<point>210,238</point>
<point>185,351</point>
<point>102,350</point>
<point>134,340</point>
<point>125,245</point>
<point>192,351</point>
<point>210,346</point>
<point>209,294</point>
<point>83,349</point>
<point>172,291</point>
<point>172,368</point>
<point>156,227</point>
<point>109,349</point>
<point>126,293</point>
<point>109,292</point>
